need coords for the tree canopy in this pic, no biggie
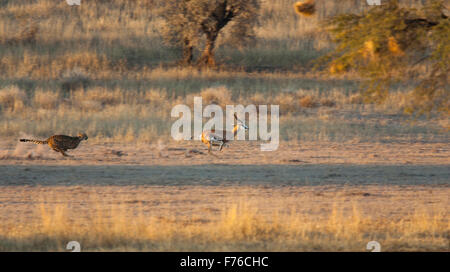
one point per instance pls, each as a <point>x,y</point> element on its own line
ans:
<point>388,44</point>
<point>192,23</point>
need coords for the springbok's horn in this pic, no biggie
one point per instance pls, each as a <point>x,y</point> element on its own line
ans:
<point>235,116</point>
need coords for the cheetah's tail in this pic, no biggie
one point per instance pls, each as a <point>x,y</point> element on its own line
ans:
<point>34,141</point>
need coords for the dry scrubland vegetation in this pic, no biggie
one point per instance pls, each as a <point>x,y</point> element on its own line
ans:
<point>297,219</point>
<point>103,68</point>
<point>236,229</point>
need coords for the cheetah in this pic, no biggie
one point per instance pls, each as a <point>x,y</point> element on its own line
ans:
<point>60,143</point>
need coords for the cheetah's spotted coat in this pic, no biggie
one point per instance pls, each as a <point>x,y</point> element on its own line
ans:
<point>60,143</point>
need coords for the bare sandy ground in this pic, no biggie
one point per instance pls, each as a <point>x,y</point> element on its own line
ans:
<point>237,153</point>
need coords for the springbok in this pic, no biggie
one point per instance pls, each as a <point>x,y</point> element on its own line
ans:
<point>219,137</point>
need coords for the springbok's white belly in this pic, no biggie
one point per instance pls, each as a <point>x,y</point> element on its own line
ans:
<point>212,137</point>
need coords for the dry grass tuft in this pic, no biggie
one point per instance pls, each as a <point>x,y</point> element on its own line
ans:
<point>156,97</point>
<point>28,35</point>
<point>327,102</point>
<point>308,101</point>
<point>258,99</point>
<point>219,95</point>
<point>356,99</point>
<point>12,98</point>
<point>287,102</point>
<point>394,47</point>
<point>97,98</point>
<point>85,60</point>
<point>369,50</point>
<point>46,99</point>
<point>336,68</point>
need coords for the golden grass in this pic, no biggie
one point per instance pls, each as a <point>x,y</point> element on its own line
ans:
<point>12,99</point>
<point>27,35</point>
<point>308,101</point>
<point>369,50</point>
<point>394,47</point>
<point>118,114</point>
<point>238,227</point>
<point>46,99</point>
<point>220,95</point>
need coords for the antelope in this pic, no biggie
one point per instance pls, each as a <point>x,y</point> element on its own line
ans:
<point>219,137</point>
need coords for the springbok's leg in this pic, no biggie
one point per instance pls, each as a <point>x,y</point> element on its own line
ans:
<point>209,147</point>
<point>221,146</point>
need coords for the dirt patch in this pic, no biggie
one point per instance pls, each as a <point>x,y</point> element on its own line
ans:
<point>237,153</point>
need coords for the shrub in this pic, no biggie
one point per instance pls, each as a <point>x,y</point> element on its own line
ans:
<point>327,102</point>
<point>390,43</point>
<point>190,23</point>
<point>308,101</point>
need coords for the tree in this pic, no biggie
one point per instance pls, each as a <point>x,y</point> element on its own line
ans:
<point>388,44</point>
<point>180,28</point>
<point>190,23</point>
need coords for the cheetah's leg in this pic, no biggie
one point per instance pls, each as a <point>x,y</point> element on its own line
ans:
<point>61,151</point>
<point>65,154</point>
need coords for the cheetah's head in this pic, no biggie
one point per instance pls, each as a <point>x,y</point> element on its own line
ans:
<point>82,136</point>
